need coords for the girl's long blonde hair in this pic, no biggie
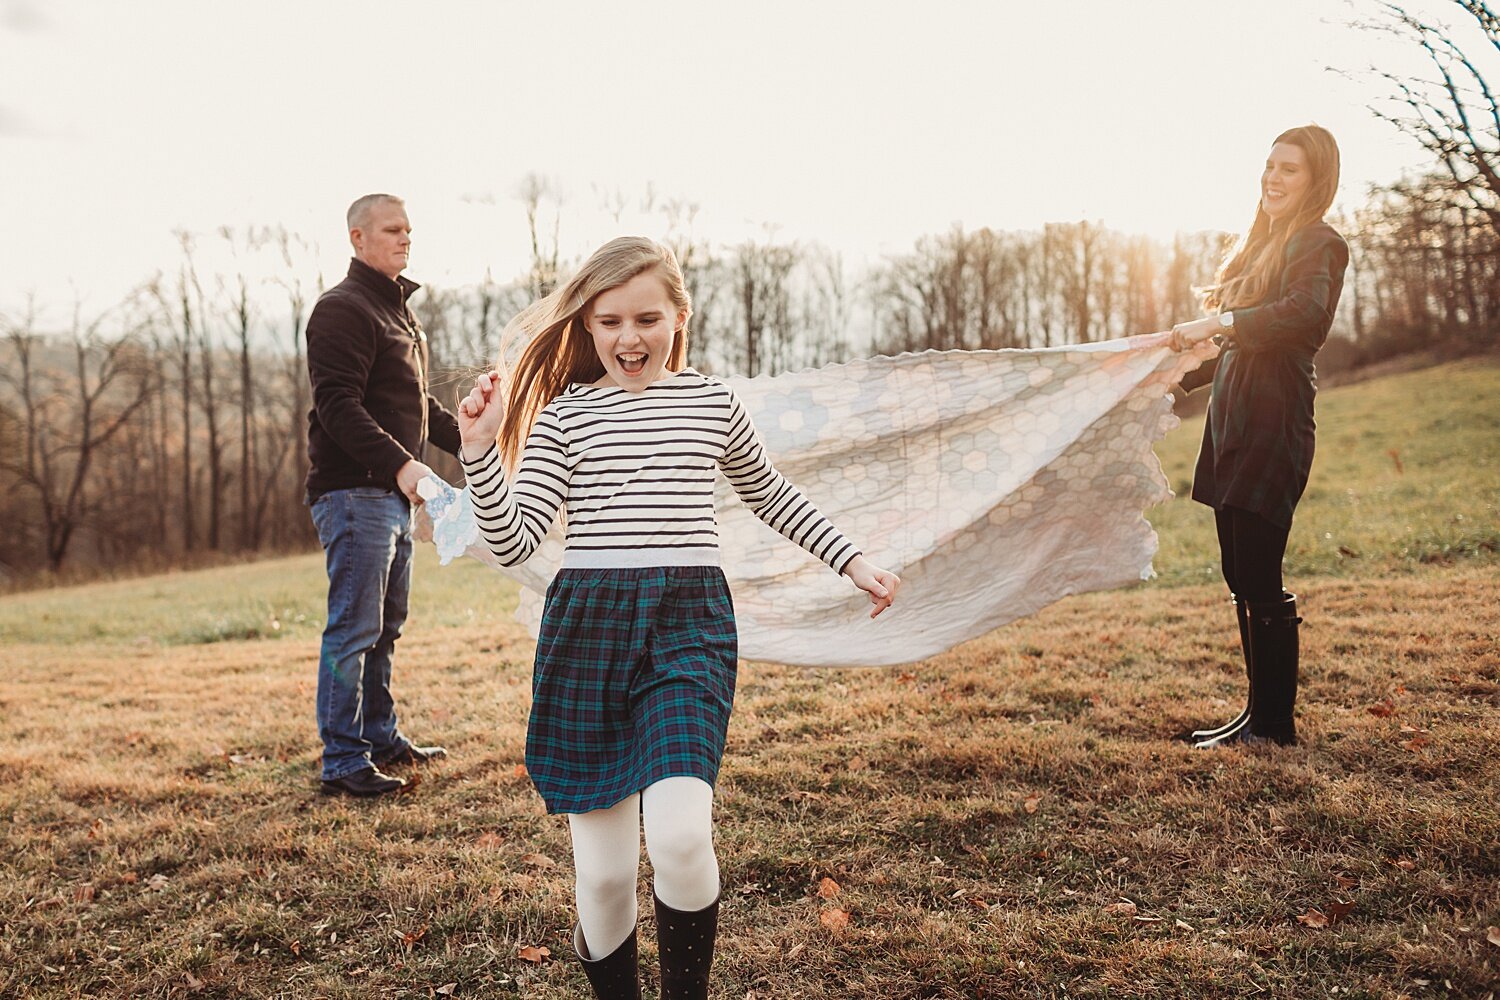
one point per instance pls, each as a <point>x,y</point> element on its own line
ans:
<point>557,349</point>
<point>1255,262</point>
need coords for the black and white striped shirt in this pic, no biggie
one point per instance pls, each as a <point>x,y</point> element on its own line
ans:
<point>636,470</point>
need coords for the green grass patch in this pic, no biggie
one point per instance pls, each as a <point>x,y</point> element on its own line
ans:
<point>273,599</point>
<point>1407,474</point>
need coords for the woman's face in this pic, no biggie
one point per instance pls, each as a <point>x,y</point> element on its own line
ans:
<point>1285,180</point>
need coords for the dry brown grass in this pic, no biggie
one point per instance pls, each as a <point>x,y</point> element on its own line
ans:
<point>165,837</point>
<point>1006,820</point>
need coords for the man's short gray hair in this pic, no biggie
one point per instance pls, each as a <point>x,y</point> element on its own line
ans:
<point>359,212</point>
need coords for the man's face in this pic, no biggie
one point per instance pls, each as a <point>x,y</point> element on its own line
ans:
<point>384,241</point>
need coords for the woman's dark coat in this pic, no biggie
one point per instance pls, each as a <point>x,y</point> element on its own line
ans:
<point>1258,439</point>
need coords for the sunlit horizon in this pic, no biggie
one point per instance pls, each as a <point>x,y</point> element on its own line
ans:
<point>123,124</point>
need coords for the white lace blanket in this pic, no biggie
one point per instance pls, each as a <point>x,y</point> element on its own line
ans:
<point>993,482</point>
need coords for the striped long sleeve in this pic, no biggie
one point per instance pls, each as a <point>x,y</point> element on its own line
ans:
<point>774,500</point>
<point>514,517</point>
<point>635,473</point>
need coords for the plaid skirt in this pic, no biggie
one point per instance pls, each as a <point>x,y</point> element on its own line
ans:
<point>634,680</point>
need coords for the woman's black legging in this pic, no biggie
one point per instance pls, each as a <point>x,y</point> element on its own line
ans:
<point>1251,549</point>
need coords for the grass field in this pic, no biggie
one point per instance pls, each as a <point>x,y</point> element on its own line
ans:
<point>1005,820</point>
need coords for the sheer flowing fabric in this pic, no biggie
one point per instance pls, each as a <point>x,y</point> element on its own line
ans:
<point>993,482</point>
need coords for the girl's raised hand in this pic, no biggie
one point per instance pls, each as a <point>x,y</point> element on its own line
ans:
<point>880,584</point>
<point>480,414</point>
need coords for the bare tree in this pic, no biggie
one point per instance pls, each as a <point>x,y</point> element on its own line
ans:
<point>68,416</point>
<point>760,282</point>
<point>1456,115</point>
<point>534,191</point>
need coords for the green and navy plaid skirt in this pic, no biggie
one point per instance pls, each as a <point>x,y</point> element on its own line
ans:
<point>634,680</point>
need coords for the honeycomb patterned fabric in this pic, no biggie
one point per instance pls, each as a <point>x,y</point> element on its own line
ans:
<point>993,482</point>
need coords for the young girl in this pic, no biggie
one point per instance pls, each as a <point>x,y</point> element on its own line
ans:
<point>635,662</point>
<point>1273,303</point>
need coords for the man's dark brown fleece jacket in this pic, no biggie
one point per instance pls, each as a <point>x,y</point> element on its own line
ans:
<point>367,359</point>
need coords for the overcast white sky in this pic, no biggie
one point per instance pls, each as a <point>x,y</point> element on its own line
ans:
<point>861,125</point>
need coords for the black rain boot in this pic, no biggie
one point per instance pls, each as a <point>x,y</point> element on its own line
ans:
<point>1242,612</point>
<point>1273,685</point>
<point>1275,640</point>
<point>685,940</point>
<point>615,976</point>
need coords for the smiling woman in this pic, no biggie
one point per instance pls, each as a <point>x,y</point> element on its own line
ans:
<point>1273,302</point>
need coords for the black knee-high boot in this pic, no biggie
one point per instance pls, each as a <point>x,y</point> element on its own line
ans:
<point>1274,637</point>
<point>616,976</point>
<point>1274,656</point>
<point>1241,612</point>
<point>685,939</point>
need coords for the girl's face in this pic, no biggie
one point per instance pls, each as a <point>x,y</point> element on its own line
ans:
<point>1284,181</point>
<point>633,326</point>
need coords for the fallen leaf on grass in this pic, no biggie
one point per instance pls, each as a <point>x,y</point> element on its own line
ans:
<point>83,893</point>
<point>857,764</point>
<point>1405,865</point>
<point>1345,882</point>
<point>1492,935</point>
<point>130,878</point>
<point>490,839</point>
<point>1414,729</point>
<point>157,882</point>
<point>446,989</point>
<point>531,953</point>
<point>835,920</point>
<point>538,860</point>
<point>193,982</point>
<point>1317,919</point>
<point>296,948</point>
<point>1032,802</point>
<point>1382,708</point>
<point>1415,743</point>
<point>410,938</point>
<point>1124,908</point>
<point>1313,918</point>
<point>827,888</point>
<point>1184,925</point>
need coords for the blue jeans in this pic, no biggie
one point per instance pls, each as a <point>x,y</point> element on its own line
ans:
<point>366,536</point>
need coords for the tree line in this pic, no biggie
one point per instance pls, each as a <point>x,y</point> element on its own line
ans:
<point>172,427</point>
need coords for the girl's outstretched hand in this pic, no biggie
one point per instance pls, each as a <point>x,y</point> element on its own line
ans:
<point>479,415</point>
<point>880,584</point>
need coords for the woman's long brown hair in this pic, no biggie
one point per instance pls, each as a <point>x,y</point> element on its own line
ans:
<point>1250,268</point>
<point>558,349</point>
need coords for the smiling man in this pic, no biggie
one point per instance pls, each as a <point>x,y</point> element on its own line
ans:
<point>371,419</point>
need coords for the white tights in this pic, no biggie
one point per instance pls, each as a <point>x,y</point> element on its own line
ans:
<point>678,814</point>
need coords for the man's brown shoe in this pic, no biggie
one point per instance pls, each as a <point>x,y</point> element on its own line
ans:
<point>364,784</point>
<point>413,754</point>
